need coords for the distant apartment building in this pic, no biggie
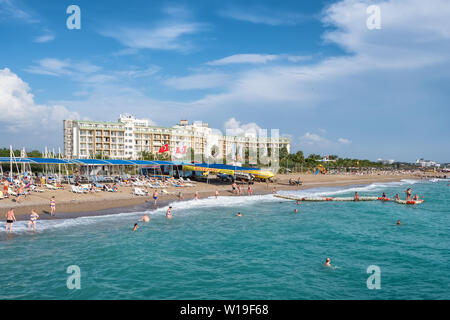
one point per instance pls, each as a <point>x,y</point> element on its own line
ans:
<point>427,163</point>
<point>129,137</point>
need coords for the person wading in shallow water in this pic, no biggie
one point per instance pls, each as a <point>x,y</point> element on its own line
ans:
<point>33,218</point>
<point>10,219</point>
<point>169,213</point>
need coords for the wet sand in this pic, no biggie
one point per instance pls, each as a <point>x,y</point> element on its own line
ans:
<point>70,205</point>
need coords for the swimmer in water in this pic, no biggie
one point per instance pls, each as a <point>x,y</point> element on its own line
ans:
<point>356,196</point>
<point>397,197</point>
<point>239,214</point>
<point>398,222</point>
<point>135,227</point>
<point>416,197</point>
<point>169,213</point>
<point>298,202</point>
<point>383,196</point>
<point>296,211</point>
<point>145,218</point>
<point>327,262</point>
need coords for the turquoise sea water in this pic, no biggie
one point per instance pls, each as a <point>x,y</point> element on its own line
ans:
<point>206,252</point>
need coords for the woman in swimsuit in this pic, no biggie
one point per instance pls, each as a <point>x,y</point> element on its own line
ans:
<point>155,196</point>
<point>33,218</point>
<point>52,206</point>
<point>169,213</point>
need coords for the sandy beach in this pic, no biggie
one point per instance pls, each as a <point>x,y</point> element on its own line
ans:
<point>70,205</point>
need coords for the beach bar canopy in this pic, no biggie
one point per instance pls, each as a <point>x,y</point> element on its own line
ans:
<point>219,168</point>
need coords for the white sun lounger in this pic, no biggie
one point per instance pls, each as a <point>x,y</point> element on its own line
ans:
<point>76,189</point>
<point>140,192</point>
<point>35,189</point>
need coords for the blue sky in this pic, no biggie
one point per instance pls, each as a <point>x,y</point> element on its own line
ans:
<point>309,68</point>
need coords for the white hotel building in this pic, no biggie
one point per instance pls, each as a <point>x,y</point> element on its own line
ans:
<point>129,137</point>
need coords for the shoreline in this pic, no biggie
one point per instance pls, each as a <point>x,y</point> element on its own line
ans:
<point>104,204</point>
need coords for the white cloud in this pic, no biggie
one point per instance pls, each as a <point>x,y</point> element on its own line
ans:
<point>167,36</point>
<point>344,141</point>
<point>11,9</point>
<point>244,58</point>
<point>57,67</point>
<point>262,15</point>
<point>314,139</point>
<point>18,109</point>
<point>236,128</point>
<point>198,81</point>
<point>135,72</point>
<point>255,59</point>
<point>44,38</point>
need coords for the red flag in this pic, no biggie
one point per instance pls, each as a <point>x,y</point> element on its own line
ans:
<point>164,148</point>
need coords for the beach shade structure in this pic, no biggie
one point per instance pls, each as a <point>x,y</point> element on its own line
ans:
<point>228,169</point>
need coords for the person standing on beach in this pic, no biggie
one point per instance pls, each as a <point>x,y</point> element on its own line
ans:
<point>10,219</point>
<point>196,195</point>
<point>274,190</point>
<point>233,188</point>
<point>155,196</point>
<point>6,189</point>
<point>180,196</point>
<point>217,194</point>
<point>52,206</point>
<point>249,190</point>
<point>33,218</point>
<point>238,190</point>
<point>19,194</point>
